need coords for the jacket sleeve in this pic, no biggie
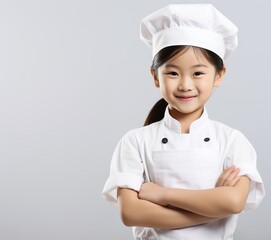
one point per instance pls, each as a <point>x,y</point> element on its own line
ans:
<point>242,154</point>
<point>126,170</point>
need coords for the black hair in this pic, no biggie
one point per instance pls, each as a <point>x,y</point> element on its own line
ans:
<point>158,110</point>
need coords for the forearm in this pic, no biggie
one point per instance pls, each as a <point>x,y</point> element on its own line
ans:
<point>216,202</point>
<point>137,212</point>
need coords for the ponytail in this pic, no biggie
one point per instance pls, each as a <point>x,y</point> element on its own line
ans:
<point>157,112</point>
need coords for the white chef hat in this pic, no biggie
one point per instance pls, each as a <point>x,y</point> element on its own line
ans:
<point>200,25</point>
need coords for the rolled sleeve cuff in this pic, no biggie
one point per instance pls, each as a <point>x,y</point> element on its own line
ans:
<point>257,191</point>
<point>122,180</point>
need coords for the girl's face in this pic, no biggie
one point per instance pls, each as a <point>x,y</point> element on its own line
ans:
<point>186,82</point>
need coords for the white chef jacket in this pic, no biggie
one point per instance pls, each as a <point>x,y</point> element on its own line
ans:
<point>187,161</point>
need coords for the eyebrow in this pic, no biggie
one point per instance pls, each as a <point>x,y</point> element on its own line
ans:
<point>199,65</point>
<point>170,65</point>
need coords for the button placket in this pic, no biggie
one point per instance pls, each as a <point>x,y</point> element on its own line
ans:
<point>164,142</point>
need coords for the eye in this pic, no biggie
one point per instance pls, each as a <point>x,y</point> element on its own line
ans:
<point>197,74</point>
<point>172,74</point>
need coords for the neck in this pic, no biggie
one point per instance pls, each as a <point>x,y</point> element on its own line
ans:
<point>185,119</point>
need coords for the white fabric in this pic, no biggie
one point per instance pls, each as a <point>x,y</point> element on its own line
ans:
<point>185,161</point>
<point>200,25</point>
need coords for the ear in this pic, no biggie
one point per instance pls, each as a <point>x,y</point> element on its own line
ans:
<point>155,78</point>
<point>220,77</point>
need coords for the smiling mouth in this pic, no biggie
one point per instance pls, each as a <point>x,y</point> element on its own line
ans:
<point>186,98</point>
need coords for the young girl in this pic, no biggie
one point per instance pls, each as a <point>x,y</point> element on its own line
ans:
<point>182,175</point>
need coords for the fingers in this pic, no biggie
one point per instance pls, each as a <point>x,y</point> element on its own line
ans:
<point>233,181</point>
<point>229,177</point>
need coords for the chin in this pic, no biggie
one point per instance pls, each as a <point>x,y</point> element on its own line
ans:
<point>187,110</point>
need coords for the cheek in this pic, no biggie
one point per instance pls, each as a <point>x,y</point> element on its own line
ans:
<point>168,86</point>
<point>206,87</point>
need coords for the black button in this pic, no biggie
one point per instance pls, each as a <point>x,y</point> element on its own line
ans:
<point>206,139</point>
<point>164,140</point>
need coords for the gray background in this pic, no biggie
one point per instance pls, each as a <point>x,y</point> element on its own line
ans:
<point>74,77</point>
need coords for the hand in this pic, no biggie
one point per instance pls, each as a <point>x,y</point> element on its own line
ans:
<point>229,177</point>
<point>152,192</point>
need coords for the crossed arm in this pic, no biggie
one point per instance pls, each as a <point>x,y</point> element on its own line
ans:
<point>169,208</point>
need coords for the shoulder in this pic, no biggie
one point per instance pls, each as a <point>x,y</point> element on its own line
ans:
<point>230,138</point>
<point>223,130</point>
<point>143,133</point>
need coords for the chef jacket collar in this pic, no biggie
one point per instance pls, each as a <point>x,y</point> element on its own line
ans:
<point>175,125</point>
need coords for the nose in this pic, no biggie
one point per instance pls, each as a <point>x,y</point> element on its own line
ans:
<point>185,84</point>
